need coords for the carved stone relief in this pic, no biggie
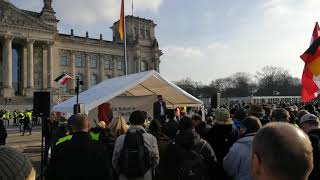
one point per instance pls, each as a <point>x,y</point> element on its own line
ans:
<point>12,17</point>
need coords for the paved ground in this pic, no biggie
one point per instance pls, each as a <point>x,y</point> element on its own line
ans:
<point>30,145</point>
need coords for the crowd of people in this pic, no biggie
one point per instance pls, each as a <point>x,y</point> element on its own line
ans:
<point>18,118</point>
<point>241,142</point>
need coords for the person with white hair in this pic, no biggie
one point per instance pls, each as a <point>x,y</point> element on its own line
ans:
<point>118,127</point>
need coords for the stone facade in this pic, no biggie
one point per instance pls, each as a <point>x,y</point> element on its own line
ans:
<point>34,52</point>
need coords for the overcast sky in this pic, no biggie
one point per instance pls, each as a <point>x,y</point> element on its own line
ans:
<point>205,39</point>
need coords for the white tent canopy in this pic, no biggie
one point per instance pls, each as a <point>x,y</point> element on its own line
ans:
<point>139,84</point>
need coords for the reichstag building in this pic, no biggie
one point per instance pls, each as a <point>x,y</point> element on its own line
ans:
<point>34,53</point>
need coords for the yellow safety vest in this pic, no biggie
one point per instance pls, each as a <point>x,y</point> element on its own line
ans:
<point>64,139</point>
<point>7,115</point>
<point>29,114</point>
<point>94,137</point>
<point>21,115</point>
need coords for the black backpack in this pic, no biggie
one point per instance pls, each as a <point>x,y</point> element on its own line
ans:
<point>135,157</point>
<point>192,165</point>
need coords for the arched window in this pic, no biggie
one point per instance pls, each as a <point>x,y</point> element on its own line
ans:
<point>80,62</point>
<point>108,62</point>
<point>108,76</point>
<point>94,61</point>
<point>63,88</point>
<point>136,32</point>
<point>147,33</point>
<point>81,79</point>
<point>64,59</point>
<point>142,32</point>
<point>143,66</point>
<point>120,64</point>
<point>93,80</point>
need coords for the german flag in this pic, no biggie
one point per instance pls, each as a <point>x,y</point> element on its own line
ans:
<point>63,79</point>
<point>311,72</point>
<point>121,21</point>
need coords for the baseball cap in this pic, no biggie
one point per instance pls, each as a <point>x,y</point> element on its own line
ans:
<point>308,117</point>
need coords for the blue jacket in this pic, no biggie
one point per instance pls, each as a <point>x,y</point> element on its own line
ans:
<point>237,162</point>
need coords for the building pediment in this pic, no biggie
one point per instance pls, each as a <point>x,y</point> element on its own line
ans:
<point>12,17</point>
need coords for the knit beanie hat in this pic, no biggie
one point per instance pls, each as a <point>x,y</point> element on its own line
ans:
<point>223,117</point>
<point>13,164</point>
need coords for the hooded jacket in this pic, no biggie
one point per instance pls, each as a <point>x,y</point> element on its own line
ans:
<point>187,139</point>
<point>237,162</point>
<point>150,142</point>
<point>221,137</point>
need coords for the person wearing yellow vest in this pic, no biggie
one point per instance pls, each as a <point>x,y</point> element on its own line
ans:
<point>27,123</point>
<point>7,116</point>
<point>15,117</point>
<point>90,159</point>
<point>21,119</point>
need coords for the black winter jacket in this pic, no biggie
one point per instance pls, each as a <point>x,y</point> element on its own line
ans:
<point>3,133</point>
<point>314,136</point>
<point>171,128</point>
<point>203,130</point>
<point>79,158</point>
<point>188,139</point>
<point>221,138</point>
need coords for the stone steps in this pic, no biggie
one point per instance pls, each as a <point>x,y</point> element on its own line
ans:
<point>16,103</point>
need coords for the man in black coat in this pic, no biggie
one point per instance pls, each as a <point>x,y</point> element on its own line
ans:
<point>188,139</point>
<point>3,133</point>
<point>201,127</point>
<point>310,124</point>
<point>159,110</point>
<point>50,125</point>
<point>78,156</point>
<point>171,127</point>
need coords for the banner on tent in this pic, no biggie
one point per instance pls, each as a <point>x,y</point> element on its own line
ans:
<point>125,105</point>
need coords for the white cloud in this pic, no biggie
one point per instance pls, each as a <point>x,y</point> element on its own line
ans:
<point>278,35</point>
<point>87,12</point>
<point>187,54</point>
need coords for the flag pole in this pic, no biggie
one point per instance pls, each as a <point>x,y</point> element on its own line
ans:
<point>125,41</point>
<point>132,7</point>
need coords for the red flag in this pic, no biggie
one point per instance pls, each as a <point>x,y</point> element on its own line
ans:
<point>311,72</point>
<point>121,21</point>
<point>316,33</point>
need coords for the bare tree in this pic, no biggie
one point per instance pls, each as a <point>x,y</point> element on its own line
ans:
<point>241,84</point>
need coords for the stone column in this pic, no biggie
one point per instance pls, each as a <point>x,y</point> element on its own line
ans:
<point>50,65</point>
<point>25,69</point>
<point>114,66</point>
<point>44,67</point>
<point>156,62</point>
<point>158,66</point>
<point>138,64</point>
<point>88,75</point>
<point>7,90</point>
<point>30,80</point>
<point>101,67</point>
<point>73,70</point>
